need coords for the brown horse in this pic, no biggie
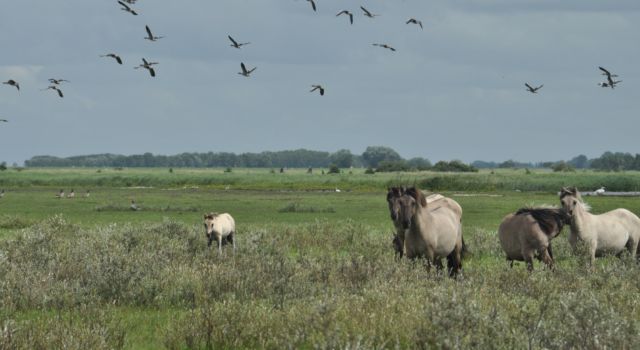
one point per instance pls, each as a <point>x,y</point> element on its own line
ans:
<point>529,232</point>
<point>432,231</point>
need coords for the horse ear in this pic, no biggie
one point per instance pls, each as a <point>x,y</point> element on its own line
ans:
<point>423,200</point>
<point>574,190</point>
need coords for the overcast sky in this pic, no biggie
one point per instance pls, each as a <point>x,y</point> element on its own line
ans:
<point>454,90</point>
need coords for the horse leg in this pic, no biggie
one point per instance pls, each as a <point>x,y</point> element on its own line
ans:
<point>233,241</point>
<point>547,259</point>
<point>219,238</point>
<point>528,258</point>
<point>550,251</point>
<point>633,247</point>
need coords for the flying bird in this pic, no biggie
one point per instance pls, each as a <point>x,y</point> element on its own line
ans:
<point>367,13</point>
<point>610,82</point>
<point>415,21</point>
<point>58,81</point>
<point>4,120</point>
<point>12,82</point>
<point>246,72</point>
<point>385,46</point>
<point>126,8</point>
<point>147,65</point>
<point>346,13</point>
<point>319,88</point>
<point>53,87</point>
<point>236,44</point>
<point>113,55</point>
<point>532,89</point>
<point>313,5</point>
<point>150,35</point>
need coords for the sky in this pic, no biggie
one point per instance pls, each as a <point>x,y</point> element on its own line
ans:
<point>454,90</point>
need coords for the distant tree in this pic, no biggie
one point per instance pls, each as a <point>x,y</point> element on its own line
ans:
<point>342,158</point>
<point>579,162</point>
<point>480,164</point>
<point>3,166</point>
<point>419,163</point>
<point>369,171</point>
<point>375,154</point>
<point>507,164</point>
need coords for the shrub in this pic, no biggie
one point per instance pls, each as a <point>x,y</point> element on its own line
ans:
<point>369,171</point>
<point>333,169</point>
<point>392,165</point>
<point>453,166</point>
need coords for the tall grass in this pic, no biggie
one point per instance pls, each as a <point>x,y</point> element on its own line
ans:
<point>298,179</point>
<point>316,285</point>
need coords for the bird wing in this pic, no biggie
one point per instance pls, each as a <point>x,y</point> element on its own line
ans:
<point>235,43</point>
<point>254,68</point>
<point>365,11</point>
<point>152,72</point>
<point>539,87</point>
<point>149,32</point>
<point>118,59</point>
<point>244,69</point>
<point>315,87</point>
<point>313,4</point>
<point>321,91</point>
<point>124,5</point>
<point>60,93</point>
<point>528,86</point>
<point>145,61</point>
<point>391,48</point>
<point>420,23</point>
<point>605,71</point>
<point>342,12</point>
<point>409,21</point>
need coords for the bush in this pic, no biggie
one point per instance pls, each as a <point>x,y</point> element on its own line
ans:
<point>333,169</point>
<point>392,165</point>
<point>562,166</point>
<point>369,171</point>
<point>453,166</point>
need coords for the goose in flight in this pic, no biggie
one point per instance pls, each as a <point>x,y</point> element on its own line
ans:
<point>367,13</point>
<point>58,81</point>
<point>4,120</point>
<point>246,72</point>
<point>313,5</point>
<point>415,21</point>
<point>150,35</point>
<point>385,46</point>
<point>53,87</point>
<point>126,8</point>
<point>236,44</point>
<point>346,13</point>
<point>610,82</point>
<point>319,88</point>
<point>114,56</point>
<point>533,90</point>
<point>12,82</point>
<point>147,65</point>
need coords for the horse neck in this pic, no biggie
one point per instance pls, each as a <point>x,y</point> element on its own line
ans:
<point>420,221</point>
<point>580,218</point>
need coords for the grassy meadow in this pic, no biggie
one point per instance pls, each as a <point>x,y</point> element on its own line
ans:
<point>314,268</point>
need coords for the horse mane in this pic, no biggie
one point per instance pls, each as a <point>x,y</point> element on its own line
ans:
<point>417,195</point>
<point>547,218</point>
<point>210,216</point>
<point>570,191</point>
<point>394,192</point>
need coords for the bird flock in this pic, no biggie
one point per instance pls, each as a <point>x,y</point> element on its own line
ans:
<point>126,6</point>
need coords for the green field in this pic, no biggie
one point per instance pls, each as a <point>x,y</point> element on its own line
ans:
<point>314,267</point>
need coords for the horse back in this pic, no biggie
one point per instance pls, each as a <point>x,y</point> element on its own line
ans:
<point>224,224</point>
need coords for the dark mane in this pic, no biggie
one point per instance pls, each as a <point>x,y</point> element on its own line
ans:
<point>551,221</point>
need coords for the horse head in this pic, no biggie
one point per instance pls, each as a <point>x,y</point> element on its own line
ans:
<point>410,203</point>
<point>208,223</point>
<point>569,199</point>
<point>393,196</point>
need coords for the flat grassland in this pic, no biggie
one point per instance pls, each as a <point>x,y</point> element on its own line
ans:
<point>314,267</point>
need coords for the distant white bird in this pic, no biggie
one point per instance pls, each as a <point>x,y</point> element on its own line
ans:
<point>72,194</point>
<point>88,194</point>
<point>599,191</point>
<point>60,194</point>
<point>338,190</point>
<point>246,72</point>
<point>133,206</point>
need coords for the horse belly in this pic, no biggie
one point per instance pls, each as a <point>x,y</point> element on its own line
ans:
<point>611,243</point>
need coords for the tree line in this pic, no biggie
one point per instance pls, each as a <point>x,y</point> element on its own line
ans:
<point>378,158</point>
